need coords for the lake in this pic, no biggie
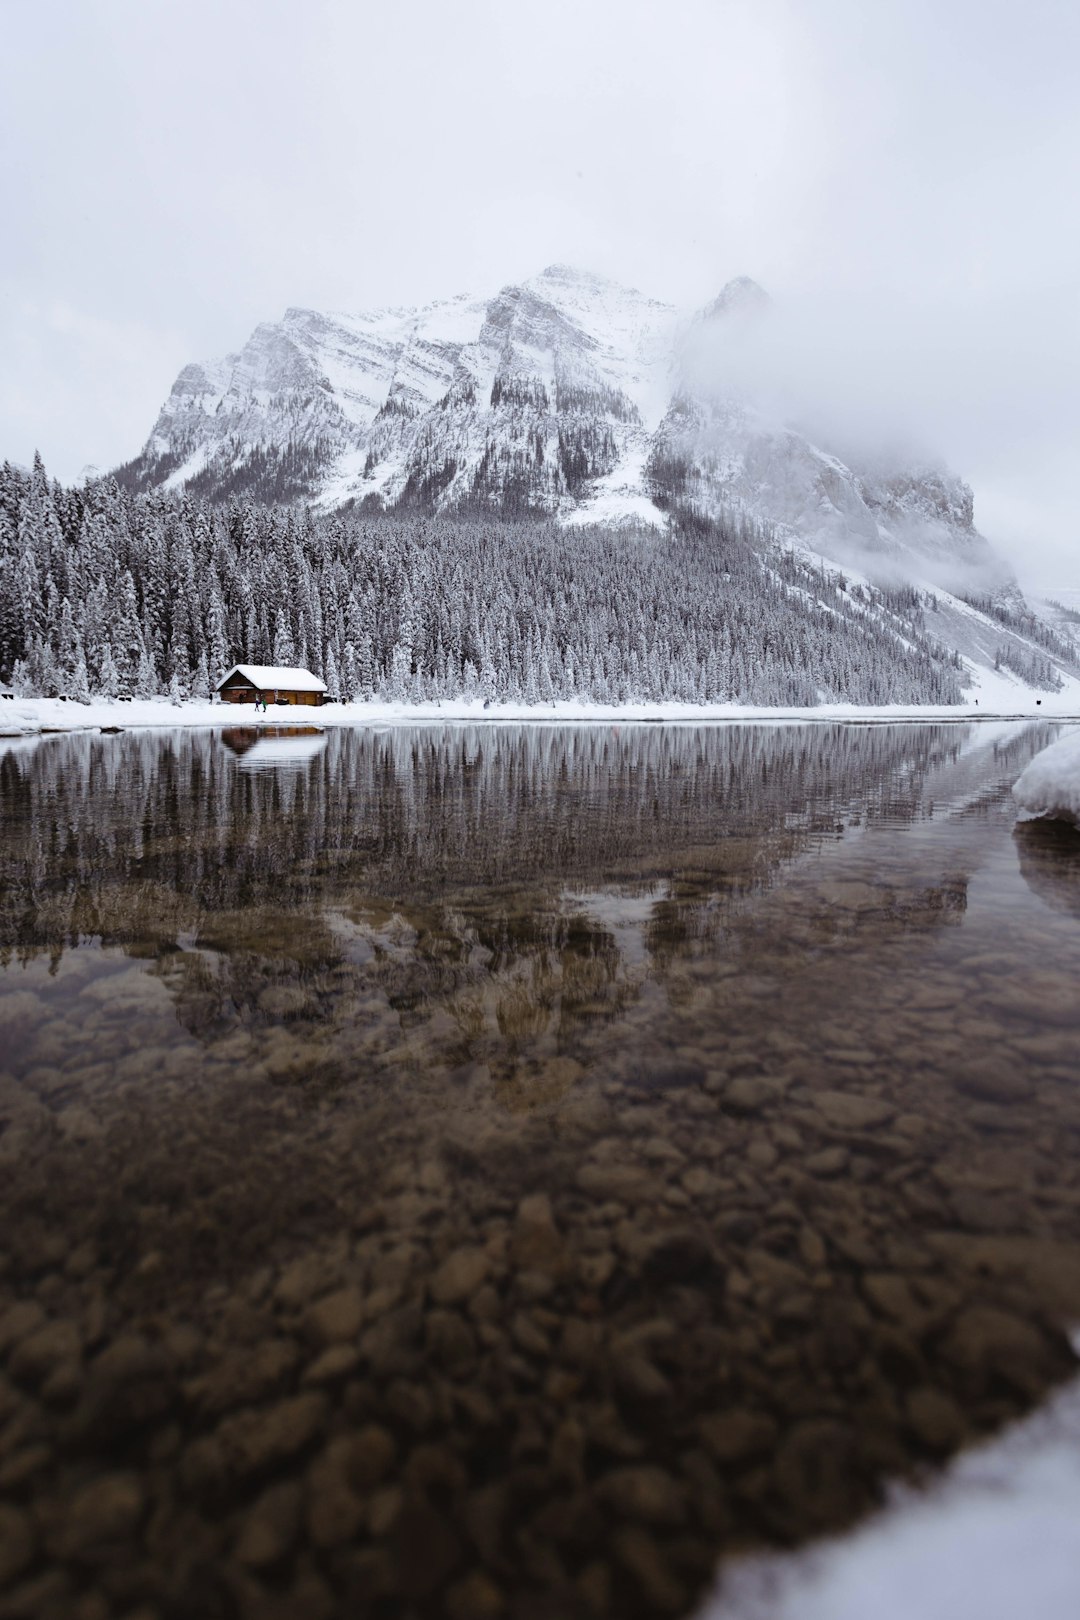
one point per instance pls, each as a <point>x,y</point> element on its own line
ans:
<point>478,1171</point>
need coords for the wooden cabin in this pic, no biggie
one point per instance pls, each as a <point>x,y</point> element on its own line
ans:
<point>245,682</point>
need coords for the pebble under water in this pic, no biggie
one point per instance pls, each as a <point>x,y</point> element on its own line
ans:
<point>497,1171</point>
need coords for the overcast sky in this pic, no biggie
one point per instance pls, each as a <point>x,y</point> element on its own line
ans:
<point>903,176</point>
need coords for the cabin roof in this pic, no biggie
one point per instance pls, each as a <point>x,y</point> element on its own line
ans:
<point>268,677</point>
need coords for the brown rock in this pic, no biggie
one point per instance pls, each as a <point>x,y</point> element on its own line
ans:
<point>476,1597</point>
<point>460,1275</point>
<point>336,1317</point>
<point>302,1279</point>
<point>829,1162</point>
<point>891,1296</point>
<point>638,1554</point>
<point>427,1549</point>
<point>738,1436</point>
<point>624,1183</point>
<point>18,1321</point>
<point>384,1505</point>
<point>984,1342</point>
<point>762,1154</point>
<point>245,1375</point>
<point>269,1530</point>
<point>536,1244</point>
<point>335,1514</point>
<point>639,1378</point>
<point>17,1543</point>
<point>332,1365</point>
<point>812,1250</point>
<point>594,1588</point>
<point>934,1418</point>
<point>40,1353</point>
<point>372,1453</point>
<point>412,1404</point>
<point>850,1111</point>
<point>995,1078</point>
<point>528,1336</point>
<point>129,1385</point>
<point>680,1255</point>
<point>814,1472</point>
<point>102,1516</point>
<point>449,1339</point>
<point>386,1345</point>
<point>749,1096</point>
<point>643,1492</point>
<point>252,1441</point>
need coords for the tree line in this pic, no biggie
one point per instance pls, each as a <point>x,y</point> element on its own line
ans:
<point>108,592</point>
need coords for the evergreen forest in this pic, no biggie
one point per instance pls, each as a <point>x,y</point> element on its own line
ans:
<point>105,592</point>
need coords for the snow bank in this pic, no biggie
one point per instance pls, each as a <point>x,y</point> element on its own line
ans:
<point>995,1538</point>
<point>1050,786</point>
<point>31,716</point>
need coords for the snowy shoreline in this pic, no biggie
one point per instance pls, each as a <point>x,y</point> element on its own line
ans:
<point>25,717</point>
<point>991,1537</point>
<point>1050,787</point>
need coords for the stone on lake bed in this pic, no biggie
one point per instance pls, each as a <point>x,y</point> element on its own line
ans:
<point>18,1321</point>
<point>102,1513</point>
<point>994,1079</point>
<point>40,1353</point>
<point>536,1244</point>
<point>643,1492</point>
<point>623,1182</point>
<point>250,1441</point>
<point>738,1436</point>
<point>17,1542</point>
<point>849,1111</point>
<point>335,1317</point>
<point>20,1009</point>
<point>985,1343</point>
<point>244,1375</point>
<point>271,1526</point>
<point>475,1597</point>
<point>679,1256</point>
<point>829,1162</point>
<point>333,1364</point>
<point>460,1275</point>
<point>934,1418</point>
<point>750,1096</point>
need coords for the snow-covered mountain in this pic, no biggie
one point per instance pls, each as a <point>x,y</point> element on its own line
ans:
<point>567,394</point>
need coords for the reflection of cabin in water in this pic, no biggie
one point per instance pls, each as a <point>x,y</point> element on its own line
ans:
<point>240,740</point>
<point>245,682</point>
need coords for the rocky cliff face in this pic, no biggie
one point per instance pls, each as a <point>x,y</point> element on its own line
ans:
<point>566,394</point>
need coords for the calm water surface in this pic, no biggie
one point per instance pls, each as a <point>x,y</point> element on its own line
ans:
<point>502,1171</point>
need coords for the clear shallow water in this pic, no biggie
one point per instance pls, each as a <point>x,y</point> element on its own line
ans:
<point>503,1170</point>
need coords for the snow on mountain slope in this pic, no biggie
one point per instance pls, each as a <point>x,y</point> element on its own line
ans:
<point>567,394</point>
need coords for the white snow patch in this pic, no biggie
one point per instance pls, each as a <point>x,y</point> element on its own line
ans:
<point>619,497</point>
<point>194,463</point>
<point>1050,786</point>
<point>994,1538</point>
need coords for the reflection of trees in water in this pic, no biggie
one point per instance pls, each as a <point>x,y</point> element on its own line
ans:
<point>430,866</point>
<point>413,810</point>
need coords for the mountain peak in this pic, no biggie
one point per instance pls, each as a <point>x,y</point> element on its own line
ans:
<point>742,296</point>
<point>567,393</point>
<point>572,275</point>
